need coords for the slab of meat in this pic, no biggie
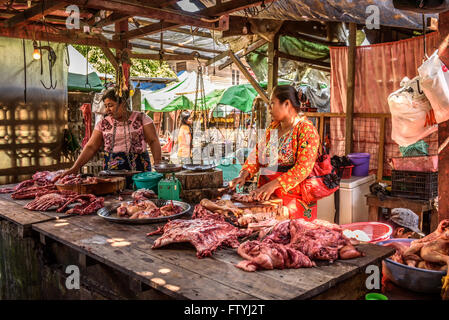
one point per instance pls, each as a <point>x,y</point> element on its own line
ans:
<point>205,234</point>
<point>200,212</point>
<point>243,198</point>
<point>47,201</point>
<point>87,207</point>
<point>146,209</point>
<point>250,217</point>
<point>270,255</point>
<point>143,194</point>
<point>83,199</point>
<point>33,192</point>
<point>39,179</point>
<point>87,117</point>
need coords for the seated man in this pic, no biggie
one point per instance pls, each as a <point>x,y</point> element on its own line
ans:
<point>405,223</point>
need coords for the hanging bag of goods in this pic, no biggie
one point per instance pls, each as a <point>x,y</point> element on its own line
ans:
<point>322,181</point>
<point>435,84</point>
<point>412,116</point>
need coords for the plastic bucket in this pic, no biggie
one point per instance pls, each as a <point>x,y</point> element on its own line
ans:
<point>147,180</point>
<point>361,164</point>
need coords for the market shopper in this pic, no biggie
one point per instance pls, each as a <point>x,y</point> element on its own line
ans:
<point>125,135</point>
<point>185,138</point>
<point>287,159</point>
<point>405,223</point>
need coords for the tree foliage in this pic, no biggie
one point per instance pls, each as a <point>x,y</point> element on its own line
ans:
<point>139,67</point>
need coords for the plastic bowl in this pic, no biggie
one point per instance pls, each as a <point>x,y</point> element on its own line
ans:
<point>375,296</point>
<point>411,278</point>
<point>147,180</point>
<point>376,231</point>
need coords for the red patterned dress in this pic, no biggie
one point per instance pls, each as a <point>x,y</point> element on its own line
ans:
<point>289,159</point>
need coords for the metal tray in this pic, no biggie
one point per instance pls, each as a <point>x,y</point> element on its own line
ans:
<point>167,167</point>
<point>110,213</point>
<point>118,173</point>
<point>198,167</point>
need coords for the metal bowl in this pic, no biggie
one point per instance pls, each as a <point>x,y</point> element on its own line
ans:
<point>415,279</point>
<point>110,213</point>
<point>198,167</point>
<point>167,167</point>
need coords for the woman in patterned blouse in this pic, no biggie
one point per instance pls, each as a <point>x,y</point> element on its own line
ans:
<point>285,157</point>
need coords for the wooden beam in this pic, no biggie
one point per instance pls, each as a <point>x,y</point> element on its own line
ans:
<point>38,32</point>
<point>111,57</point>
<point>171,51</point>
<point>147,30</point>
<point>195,33</point>
<point>144,10</point>
<point>273,63</point>
<point>36,11</point>
<point>166,57</point>
<point>380,158</point>
<point>252,47</point>
<point>217,58</point>
<point>232,6</point>
<point>324,65</point>
<point>180,45</point>
<point>350,88</point>
<point>110,19</point>
<point>248,76</point>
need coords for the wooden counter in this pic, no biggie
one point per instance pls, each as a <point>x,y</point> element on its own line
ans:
<point>175,272</point>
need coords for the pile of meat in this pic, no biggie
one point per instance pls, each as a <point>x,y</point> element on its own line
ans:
<point>295,244</point>
<point>430,252</point>
<point>46,196</point>
<point>226,210</point>
<point>144,209</point>
<point>78,179</point>
<point>205,234</point>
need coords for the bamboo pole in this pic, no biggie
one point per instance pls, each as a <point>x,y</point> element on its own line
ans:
<point>350,88</point>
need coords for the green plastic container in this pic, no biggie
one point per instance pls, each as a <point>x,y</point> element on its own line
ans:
<point>147,180</point>
<point>375,296</point>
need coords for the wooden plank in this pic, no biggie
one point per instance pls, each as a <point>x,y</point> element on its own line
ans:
<point>395,202</point>
<point>36,11</point>
<point>171,51</point>
<point>252,47</point>
<point>350,90</point>
<point>147,30</point>
<point>166,57</point>
<point>248,76</point>
<point>324,65</point>
<point>111,57</point>
<point>119,254</point>
<point>273,64</point>
<point>184,256</point>
<point>321,128</point>
<point>180,45</point>
<point>380,157</point>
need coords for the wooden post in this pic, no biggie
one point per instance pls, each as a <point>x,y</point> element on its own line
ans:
<point>121,27</point>
<point>350,87</point>
<point>443,128</point>
<point>380,156</point>
<point>273,63</point>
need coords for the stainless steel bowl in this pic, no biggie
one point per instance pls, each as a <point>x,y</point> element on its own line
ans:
<point>110,213</point>
<point>415,279</point>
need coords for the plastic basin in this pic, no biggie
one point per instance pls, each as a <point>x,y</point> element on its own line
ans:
<point>147,180</point>
<point>411,278</point>
<point>376,231</point>
<point>361,164</point>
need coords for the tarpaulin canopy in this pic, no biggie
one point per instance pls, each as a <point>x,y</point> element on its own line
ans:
<point>181,95</point>
<point>76,80</point>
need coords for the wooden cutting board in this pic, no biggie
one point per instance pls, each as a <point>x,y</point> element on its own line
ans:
<point>115,185</point>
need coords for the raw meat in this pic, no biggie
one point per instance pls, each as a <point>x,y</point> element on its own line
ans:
<point>203,233</point>
<point>87,207</point>
<point>33,192</point>
<point>200,212</point>
<point>146,209</point>
<point>39,179</point>
<point>243,198</point>
<point>83,199</point>
<point>87,116</point>
<point>47,201</point>
<point>270,255</point>
<point>143,194</point>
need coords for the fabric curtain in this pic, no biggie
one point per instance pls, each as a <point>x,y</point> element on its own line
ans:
<point>379,71</point>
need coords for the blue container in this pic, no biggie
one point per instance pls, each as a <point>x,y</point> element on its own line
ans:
<point>147,180</point>
<point>415,279</point>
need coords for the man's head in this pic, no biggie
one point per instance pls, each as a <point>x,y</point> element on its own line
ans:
<point>405,223</point>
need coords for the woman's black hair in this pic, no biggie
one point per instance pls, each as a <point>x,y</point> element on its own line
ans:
<point>287,92</point>
<point>111,94</point>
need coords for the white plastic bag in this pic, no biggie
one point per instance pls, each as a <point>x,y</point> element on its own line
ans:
<point>411,114</point>
<point>435,84</point>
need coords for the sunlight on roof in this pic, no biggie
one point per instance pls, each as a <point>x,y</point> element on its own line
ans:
<point>186,5</point>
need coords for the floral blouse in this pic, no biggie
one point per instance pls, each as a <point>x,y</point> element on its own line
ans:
<point>297,148</point>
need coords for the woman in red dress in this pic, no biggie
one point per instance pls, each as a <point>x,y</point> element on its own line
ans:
<point>285,157</point>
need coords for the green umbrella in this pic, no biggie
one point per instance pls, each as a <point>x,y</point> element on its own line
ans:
<point>240,97</point>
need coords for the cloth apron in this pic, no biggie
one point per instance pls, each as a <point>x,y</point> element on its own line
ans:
<point>119,161</point>
<point>297,208</point>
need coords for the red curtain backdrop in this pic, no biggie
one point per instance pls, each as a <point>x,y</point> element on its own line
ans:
<point>379,71</point>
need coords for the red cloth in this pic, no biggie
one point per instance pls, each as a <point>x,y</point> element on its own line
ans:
<point>297,208</point>
<point>87,116</point>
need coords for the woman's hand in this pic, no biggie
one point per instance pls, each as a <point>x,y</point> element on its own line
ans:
<point>264,193</point>
<point>239,181</point>
<point>65,173</point>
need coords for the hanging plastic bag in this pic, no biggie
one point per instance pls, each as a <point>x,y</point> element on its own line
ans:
<point>435,84</point>
<point>412,116</point>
